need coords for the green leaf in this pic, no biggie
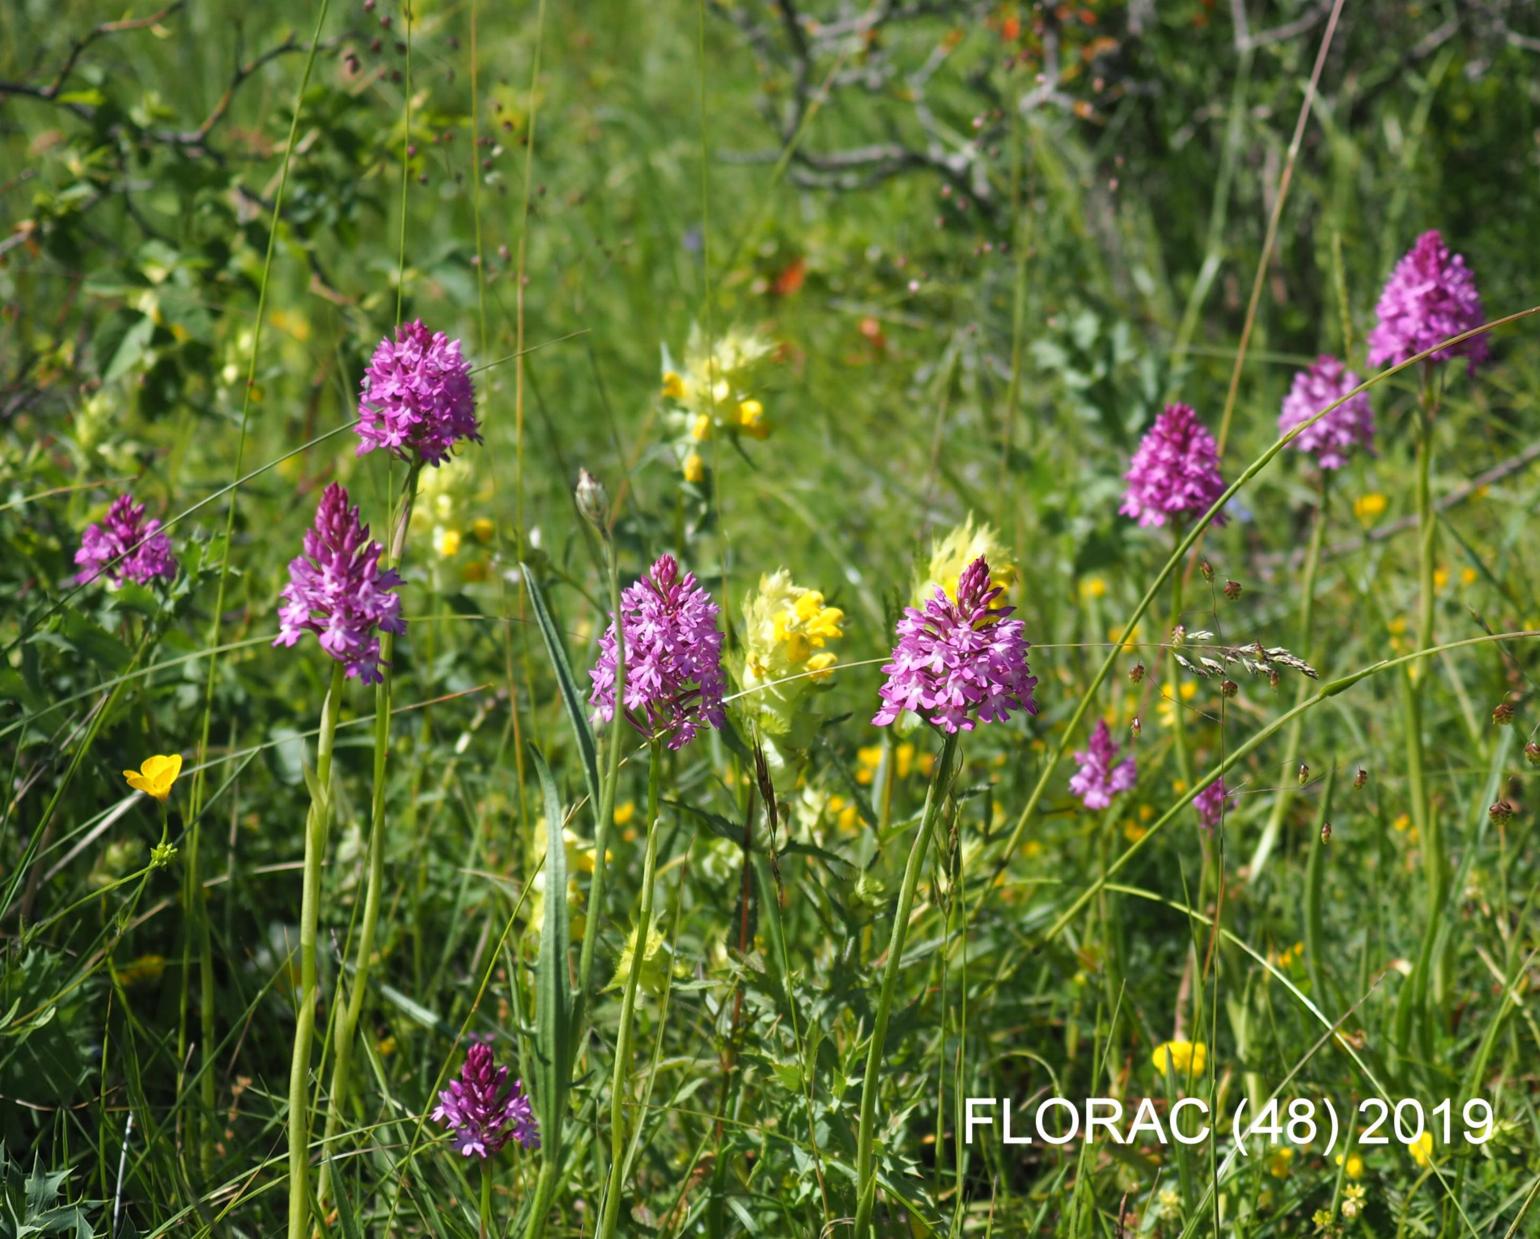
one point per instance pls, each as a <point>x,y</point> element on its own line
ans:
<point>576,714</point>
<point>553,1001</point>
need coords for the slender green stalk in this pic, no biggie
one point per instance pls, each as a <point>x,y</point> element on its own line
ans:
<point>1285,797</point>
<point>346,1028</point>
<point>486,1198</point>
<point>866,1175</point>
<point>310,907</point>
<point>1174,681</point>
<point>611,1215</point>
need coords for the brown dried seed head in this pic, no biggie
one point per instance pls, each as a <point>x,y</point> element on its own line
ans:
<point>1232,590</point>
<point>1360,778</point>
<point>1137,674</point>
<point>1502,713</point>
<point>1207,569</point>
<point>1228,688</point>
<point>1532,753</point>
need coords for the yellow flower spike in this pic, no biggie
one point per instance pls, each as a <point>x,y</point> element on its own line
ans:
<point>694,469</point>
<point>700,428</point>
<point>958,548</point>
<point>156,775</point>
<point>1421,1149</point>
<point>1181,1057</point>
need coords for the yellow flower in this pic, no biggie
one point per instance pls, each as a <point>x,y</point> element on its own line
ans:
<point>156,775</point>
<point>1353,1201</point>
<point>483,528</point>
<point>1133,832</point>
<point>958,548</point>
<point>137,971</point>
<point>694,469</point>
<point>868,758</point>
<point>751,417</point>
<point>786,627</point>
<point>673,385</point>
<point>1421,1149</point>
<point>1440,578</point>
<point>1279,1163</point>
<point>446,542</point>
<point>1181,1057</point>
<point>1166,708</point>
<point>1353,1168</point>
<point>1093,587</point>
<point>700,428</point>
<point>385,1046</point>
<point>1369,508</point>
<point>624,812</point>
<point>656,962</point>
<point>1467,576</point>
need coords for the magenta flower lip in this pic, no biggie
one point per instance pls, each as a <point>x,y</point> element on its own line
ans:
<point>1210,804</point>
<point>1175,471</point>
<point>1341,432</point>
<point>959,663</point>
<point>673,650</point>
<point>125,546</point>
<point>337,591</point>
<point>1430,296</point>
<point>416,399</point>
<point>480,1112</point>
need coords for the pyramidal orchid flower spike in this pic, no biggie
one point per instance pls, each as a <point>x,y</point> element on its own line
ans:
<point>125,546</point>
<point>1210,804</point>
<point>481,1112</point>
<point>1101,775</point>
<point>1430,296</point>
<point>673,657</point>
<point>1341,432</point>
<point>1175,471</point>
<point>337,591</point>
<point>416,398</point>
<point>959,662</point>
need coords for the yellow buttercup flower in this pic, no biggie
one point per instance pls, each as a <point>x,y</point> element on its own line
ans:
<point>624,812</point>
<point>1093,587</point>
<point>1421,1149</point>
<point>1181,1057</point>
<point>1280,1162</point>
<point>1369,508</point>
<point>1353,1168</point>
<point>156,775</point>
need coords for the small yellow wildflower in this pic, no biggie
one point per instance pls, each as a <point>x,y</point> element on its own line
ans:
<point>446,542</point>
<point>156,775</point>
<point>1182,1057</point>
<point>1353,1167</point>
<point>786,629</point>
<point>1133,832</point>
<point>1467,576</point>
<point>1421,1149</point>
<point>624,812</point>
<point>1280,1162</point>
<point>868,758</point>
<point>137,971</point>
<point>1322,1219</point>
<point>751,417</point>
<point>1369,508</point>
<point>484,528</point>
<point>1093,587</point>
<point>1166,709</point>
<point>1441,578</point>
<point>1353,1201</point>
<point>694,469</point>
<point>385,1046</point>
<point>700,428</point>
<point>673,385</point>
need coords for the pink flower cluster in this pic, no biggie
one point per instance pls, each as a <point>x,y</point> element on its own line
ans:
<point>1430,296</point>
<point>416,399</point>
<point>481,1112</point>
<point>337,591</point>
<point>955,662</point>
<point>1101,775</point>
<point>673,657</point>
<point>1346,428</point>
<point>1175,471</point>
<point>125,546</point>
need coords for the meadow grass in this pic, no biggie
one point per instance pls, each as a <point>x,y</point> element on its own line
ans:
<point>949,264</point>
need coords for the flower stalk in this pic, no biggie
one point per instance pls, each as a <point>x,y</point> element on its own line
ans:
<point>866,1175</point>
<point>316,822</point>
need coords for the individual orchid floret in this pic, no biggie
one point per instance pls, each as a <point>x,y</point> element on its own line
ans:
<point>673,657</point>
<point>483,1114</point>
<point>957,663</point>
<point>1175,471</point>
<point>1334,438</point>
<point>1101,776</point>
<point>416,399</point>
<point>337,591</point>
<point>125,547</point>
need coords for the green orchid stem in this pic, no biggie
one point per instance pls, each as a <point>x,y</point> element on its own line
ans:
<point>1285,797</point>
<point>316,822</point>
<point>486,1198</point>
<point>1173,679</point>
<point>866,1175</point>
<point>345,1029</point>
<point>611,1215</point>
